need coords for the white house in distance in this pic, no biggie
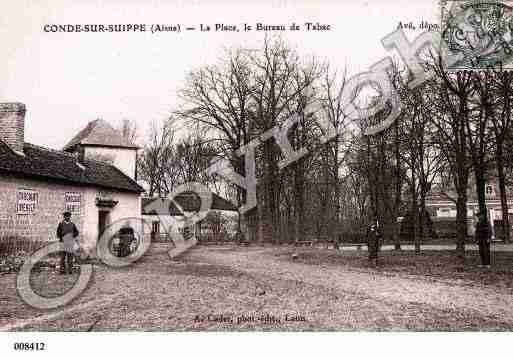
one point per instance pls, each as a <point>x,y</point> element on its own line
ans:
<point>94,178</point>
<point>442,207</point>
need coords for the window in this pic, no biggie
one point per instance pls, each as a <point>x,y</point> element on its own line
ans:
<point>445,212</point>
<point>489,190</point>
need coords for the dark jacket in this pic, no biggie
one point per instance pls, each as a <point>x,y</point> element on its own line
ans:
<point>483,231</point>
<point>65,228</point>
<point>373,239</point>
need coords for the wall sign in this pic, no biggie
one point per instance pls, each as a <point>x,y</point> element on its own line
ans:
<point>26,201</point>
<point>72,201</point>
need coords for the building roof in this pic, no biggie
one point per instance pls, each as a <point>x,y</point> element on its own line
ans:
<point>160,207</point>
<point>52,165</point>
<point>99,133</point>
<point>188,201</point>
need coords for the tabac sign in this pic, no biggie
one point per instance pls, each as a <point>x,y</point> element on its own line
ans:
<point>72,201</point>
<point>26,201</point>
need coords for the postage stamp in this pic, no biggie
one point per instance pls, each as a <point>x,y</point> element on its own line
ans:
<point>479,32</point>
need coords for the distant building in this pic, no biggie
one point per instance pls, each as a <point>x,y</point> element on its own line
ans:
<point>162,214</point>
<point>93,178</point>
<point>442,208</point>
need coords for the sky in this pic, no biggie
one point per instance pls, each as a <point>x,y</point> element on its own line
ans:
<point>69,79</point>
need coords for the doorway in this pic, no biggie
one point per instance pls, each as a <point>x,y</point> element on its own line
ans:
<point>103,222</point>
<point>155,230</point>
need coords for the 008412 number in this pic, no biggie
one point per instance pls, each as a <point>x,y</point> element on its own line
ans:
<point>29,346</point>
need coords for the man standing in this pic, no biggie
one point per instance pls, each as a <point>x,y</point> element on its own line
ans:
<point>483,234</point>
<point>373,239</point>
<point>67,233</point>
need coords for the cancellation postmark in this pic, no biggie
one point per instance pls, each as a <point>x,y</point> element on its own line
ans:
<point>478,33</point>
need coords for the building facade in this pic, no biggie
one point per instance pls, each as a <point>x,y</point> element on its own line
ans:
<point>442,208</point>
<point>38,184</point>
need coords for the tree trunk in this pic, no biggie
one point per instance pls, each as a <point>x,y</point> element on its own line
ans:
<point>241,196</point>
<point>269,216</point>
<point>424,232</point>
<point>299,200</point>
<point>415,223</point>
<point>461,182</point>
<point>415,212</point>
<point>502,188</point>
<point>481,198</point>
<point>461,220</point>
<point>336,229</point>
<point>481,188</point>
<point>397,200</point>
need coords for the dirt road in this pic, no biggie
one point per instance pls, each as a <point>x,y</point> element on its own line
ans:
<point>256,288</point>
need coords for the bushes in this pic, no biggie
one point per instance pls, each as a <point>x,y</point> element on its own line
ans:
<point>406,227</point>
<point>14,250</point>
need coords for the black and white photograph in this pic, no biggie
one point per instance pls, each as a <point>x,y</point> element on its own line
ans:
<point>331,171</point>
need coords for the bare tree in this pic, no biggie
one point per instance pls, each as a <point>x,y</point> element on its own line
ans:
<point>479,134</point>
<point>501,126</point>
<point>129,130</point>
<point>333,111</point>
<point>450,95</point>
<point>421,154</point>
<point>192,157</point>
<point>278,78</point>
<point>155,164</point>
<point>217,99</point>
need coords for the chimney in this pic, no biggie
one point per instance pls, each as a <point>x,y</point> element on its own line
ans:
<point>12,125</point>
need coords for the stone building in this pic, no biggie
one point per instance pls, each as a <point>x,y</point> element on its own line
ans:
<point>94,178</point>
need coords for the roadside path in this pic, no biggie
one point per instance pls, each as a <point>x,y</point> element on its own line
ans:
<point>227,283</point>
<point>396,288</point>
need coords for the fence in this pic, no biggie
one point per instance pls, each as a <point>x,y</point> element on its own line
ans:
<point>14,245</point>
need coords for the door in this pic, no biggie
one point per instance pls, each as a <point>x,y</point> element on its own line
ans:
<point>103,221</point>
<point>155,230</point>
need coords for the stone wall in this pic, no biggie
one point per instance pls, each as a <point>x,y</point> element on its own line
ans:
<point>42,224</point>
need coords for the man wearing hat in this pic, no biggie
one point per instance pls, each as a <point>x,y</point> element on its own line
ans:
<point>483,234</point>
<point>67,233</point>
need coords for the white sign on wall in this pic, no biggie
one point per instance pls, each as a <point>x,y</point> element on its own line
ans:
<point>72,201</point>
<point>26,201</point>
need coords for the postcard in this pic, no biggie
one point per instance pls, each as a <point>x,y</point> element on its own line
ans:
<point>272,166</point>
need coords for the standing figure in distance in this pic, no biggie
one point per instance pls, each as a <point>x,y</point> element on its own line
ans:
<point>483,235</point>
<point>373,238</point>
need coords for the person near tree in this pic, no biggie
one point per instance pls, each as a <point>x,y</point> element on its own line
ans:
<point>373,239</point>
<point>483,235</point>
